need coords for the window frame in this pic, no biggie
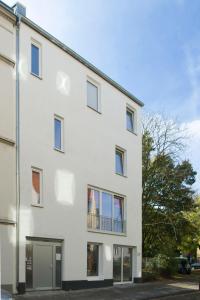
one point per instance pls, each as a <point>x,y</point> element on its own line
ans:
<point>97,85</point>
<point>92,277</point>
<point>39,46</point>
<point>124,161</point>
<point>40,172</point>
<point>132,110</point>
<point>61,119</point>
<point>124,210</point>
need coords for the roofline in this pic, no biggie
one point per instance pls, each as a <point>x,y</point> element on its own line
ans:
<point>8,11</point>
<point>7,7</point>
<point>68,50</point>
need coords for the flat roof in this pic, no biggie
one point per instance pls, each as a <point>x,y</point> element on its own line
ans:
<point>74,54</point>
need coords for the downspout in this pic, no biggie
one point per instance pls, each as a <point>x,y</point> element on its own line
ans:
<point>17,152</point>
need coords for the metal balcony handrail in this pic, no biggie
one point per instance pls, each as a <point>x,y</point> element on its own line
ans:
<point>103,223</point>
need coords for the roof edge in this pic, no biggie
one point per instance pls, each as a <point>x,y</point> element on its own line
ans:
<point>72,53</point>
<point>8,11</point>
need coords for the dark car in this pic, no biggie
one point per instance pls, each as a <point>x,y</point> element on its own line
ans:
<point>195,265</point>
<point>183,265</point>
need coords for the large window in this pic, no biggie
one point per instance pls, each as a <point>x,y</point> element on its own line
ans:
<point>105,211</point>
<point>35,60</point>
<point>92,259</point>
<point>58,133</point>
<point>92,96</point>
<point>36,186</point>
<point>119,161</point>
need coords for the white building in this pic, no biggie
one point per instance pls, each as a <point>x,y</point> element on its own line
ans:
<point>79,162</point>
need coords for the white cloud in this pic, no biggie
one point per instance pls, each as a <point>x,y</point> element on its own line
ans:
<point>193,147</point>
<point>193,73</point>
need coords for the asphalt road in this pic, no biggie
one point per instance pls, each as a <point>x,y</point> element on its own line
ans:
<point>144,291</point>
<point>190,296</point>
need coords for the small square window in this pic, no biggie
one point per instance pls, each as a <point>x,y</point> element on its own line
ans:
<point>92,259</point>
<point>129,120</point>
<point>36,186</point>
<point>92,96</point>
<point>35,60</point>
<point>58,133</point>
<point>119,161</point>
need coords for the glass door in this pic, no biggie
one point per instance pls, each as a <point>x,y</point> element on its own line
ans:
<point>127,264</point>
<point>117,264</point>
<point>122,264</point>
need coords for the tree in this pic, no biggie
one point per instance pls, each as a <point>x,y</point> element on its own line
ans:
<point>191,238</point>
<point>167,186</point>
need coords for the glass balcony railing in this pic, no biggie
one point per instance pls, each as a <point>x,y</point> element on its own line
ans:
<point>102,223</point>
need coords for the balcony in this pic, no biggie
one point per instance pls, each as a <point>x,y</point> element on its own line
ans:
<point>106,224</point>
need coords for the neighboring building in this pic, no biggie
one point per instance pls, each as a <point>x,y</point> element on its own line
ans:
<point>7,149</point>
<point>80,171</point>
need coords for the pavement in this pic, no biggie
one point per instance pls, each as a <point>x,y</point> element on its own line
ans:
<point>177,289</point>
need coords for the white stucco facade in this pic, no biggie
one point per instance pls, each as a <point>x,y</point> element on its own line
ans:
<point>7,150</point>
<point>87,159</point>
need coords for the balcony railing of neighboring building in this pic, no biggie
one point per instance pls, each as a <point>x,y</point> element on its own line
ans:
<point>97,222</point>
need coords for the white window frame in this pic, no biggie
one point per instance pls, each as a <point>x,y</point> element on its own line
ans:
<point>39,46</point>
<point>134,118</point>
<point>124,161</point>
<point>61,119</point>
<point>100,207</point>
<point>40,171</point>
<point>97,85</point>
<point>100,263</point>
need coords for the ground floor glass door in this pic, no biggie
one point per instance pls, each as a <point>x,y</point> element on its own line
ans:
<point>122,264</point>
<point>43,265</point>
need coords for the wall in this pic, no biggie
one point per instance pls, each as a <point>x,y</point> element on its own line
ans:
<point>89,157</point>
<point>7,150</point>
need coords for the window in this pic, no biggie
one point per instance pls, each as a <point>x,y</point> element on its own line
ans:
<point>130,120</point>
<point>119,161</point>
<point>36,186</point>
<point>58,133</point>
<point>35,60</point>
<point>92,259</point>
<point>93,201</point>
<point>105,211</point>
<point>92,96</point>
<point>118,212</point>
<point>94,208</point>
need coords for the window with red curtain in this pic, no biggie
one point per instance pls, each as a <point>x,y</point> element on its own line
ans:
<point>36,186</point>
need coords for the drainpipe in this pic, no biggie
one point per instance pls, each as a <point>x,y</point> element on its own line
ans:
<point>19,10</point>
<point>17,153</point>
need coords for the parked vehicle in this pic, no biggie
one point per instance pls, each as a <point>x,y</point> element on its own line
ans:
<point>183,265</point>
<point>195,266</point>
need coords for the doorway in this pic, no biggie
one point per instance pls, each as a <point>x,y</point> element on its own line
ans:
<point>43,264</point>
<point>122,264</point>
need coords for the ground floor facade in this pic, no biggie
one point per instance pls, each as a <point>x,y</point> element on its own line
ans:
<point>47,265</point>
<point>7,256</point>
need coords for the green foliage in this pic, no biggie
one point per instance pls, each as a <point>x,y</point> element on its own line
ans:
<point>168,198</point>
<point>191,239</point>
<point>160,265</point>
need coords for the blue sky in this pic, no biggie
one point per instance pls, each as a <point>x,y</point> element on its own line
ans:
<point>151,47</point>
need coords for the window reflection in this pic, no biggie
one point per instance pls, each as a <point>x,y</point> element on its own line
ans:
<point>92,259</point>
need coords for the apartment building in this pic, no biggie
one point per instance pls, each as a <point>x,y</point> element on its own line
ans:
<point>7,149</point>
<point>79,179</point>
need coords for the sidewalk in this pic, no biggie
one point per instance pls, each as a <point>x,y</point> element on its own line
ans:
<point>143,291</point>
